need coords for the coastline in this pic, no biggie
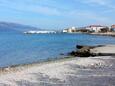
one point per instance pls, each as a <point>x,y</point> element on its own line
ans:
<point>78,71</point>
<point>104,34</point>
<point>20,67</point>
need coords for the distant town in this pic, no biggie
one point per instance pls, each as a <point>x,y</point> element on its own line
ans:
<point>92,29</point>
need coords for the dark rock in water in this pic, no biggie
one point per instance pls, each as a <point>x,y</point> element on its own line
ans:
<point>99,45</point>
<point>79,46</point>
<point>82,46</point>
<point>83,52</point>
<point>73,53</point>
<point>62,54</point>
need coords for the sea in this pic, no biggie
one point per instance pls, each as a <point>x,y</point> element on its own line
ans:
<point>20,48</point>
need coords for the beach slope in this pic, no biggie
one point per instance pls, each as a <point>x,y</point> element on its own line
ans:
<point>91,71</point>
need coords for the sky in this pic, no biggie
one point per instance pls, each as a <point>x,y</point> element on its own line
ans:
<point>58,14</point>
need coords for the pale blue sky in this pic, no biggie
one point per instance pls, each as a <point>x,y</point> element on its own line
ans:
<point>58,14</point>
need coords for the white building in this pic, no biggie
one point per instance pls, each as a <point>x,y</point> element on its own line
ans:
<point>95,28</point>
<point>65,31</point>
<point>70,30</point>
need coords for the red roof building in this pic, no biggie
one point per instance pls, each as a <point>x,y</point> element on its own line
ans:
<point>95,26</point>
<point>113,26</point>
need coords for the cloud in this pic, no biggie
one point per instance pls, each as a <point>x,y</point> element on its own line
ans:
<point>26,6</point>
<point>88,15</point>
<point>104,3</point>
<point>41,10</point>
<point>99,2</point>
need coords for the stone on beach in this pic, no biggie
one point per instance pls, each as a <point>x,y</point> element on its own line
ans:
<point>99,50</point>
<point>82,51</point>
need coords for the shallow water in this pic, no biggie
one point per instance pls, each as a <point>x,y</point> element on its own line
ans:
<point>19,48</point>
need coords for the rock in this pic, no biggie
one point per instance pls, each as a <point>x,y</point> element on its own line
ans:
<point>62,54</point>
<point>79,46</point>
<point>82,46</point>
<point>73,53</point>
<point>86,51</point>
<point>83,52</point>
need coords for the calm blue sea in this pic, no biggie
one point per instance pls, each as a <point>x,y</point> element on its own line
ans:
<point>19,48</point>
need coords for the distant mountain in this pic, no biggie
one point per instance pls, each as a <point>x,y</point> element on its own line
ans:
<point>7,27</point>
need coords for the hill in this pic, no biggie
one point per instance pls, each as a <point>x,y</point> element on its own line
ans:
<point>8,27</point>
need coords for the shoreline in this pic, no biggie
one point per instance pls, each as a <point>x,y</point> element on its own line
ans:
<point>96,50</point>
<point>104,34</point>
<point>14,68</point>
<point>80,71</point>
<point>95,33</point>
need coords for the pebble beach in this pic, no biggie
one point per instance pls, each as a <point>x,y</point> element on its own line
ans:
<point>77,71</point>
